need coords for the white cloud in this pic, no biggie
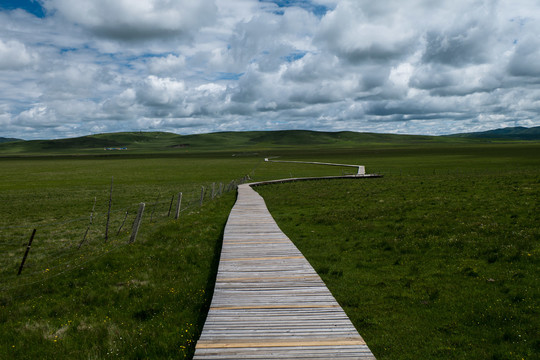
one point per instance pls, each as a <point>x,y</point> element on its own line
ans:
<point>38,116</point>
<point>524,61</point>
<point>15,56</point>
<point>170,64</point>
<point>358,36</point>
<point>157,91</point>
<point>194,66</point>
<point>137,20</point>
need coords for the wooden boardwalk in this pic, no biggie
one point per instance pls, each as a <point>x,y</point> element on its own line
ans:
<point>269,303</point>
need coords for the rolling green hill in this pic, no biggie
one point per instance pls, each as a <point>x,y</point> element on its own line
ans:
<point>90,144</point>
<point>513,133</point>
<point>3,140</point>
<point>163,142</point>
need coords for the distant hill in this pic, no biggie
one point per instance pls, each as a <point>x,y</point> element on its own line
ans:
<point>509,133</point>
<point>286,138</point>
<point>246,141</point>
<point>4,140</point>
<point>87,144</point>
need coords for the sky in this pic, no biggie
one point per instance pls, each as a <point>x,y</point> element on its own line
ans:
<point>77,67</point>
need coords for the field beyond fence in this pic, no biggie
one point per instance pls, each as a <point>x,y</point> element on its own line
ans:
<point>438,259</point>
<point>84,267</point>
<point>54,248</point>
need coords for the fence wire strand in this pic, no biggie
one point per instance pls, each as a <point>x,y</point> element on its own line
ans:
<point>58,244</point>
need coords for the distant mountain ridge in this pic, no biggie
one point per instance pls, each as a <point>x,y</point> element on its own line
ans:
<point>151,142</point>
<point>508,133</point>
<point>159,142</point>
<point>4,140</point>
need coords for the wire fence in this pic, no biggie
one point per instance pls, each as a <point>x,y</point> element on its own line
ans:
<point>67,245</point>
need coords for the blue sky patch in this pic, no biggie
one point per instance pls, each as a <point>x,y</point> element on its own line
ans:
<point>31,6</point>
<point>297,55</point>
<point>317,9</point>
<point>68,50</point>
<point>228,76</point>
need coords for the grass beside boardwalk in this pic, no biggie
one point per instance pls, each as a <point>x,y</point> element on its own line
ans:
<point>144,300</point>
<point>109,299</point>
<point>438,259</point>
<point>383,245</point>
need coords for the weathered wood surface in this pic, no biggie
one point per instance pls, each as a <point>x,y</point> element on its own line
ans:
<point>269,303</point>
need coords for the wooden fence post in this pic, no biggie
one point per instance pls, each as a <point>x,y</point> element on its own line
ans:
<point>90,224</point>
<point>123,222</point>
<point>202,195</point>
<point>178,204</point>
<point>137,223</point>
<point>154,207</point>
<point>170,206</point>
<point>213,190</point>
<point>26,252</point>
<point>220,189</point>
<point>109,212</point>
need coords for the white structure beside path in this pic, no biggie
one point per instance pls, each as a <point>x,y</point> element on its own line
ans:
<point>269,303</point>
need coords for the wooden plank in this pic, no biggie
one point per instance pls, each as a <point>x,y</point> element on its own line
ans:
<point>268,301</point>
<point>303,306</point>
<point>281,343</point>
<point>259,279</point>
<point>265,258</point>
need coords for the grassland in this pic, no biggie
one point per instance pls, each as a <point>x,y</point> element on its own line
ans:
<point>437,260</point>
<point>145,300</point>
<point>449,217</point>
<point>109,299</point>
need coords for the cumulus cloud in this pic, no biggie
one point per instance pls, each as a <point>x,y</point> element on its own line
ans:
<point>157,91</point>
<point>136,20</point>
<point>524,61</point>
<point>211,65</point>
<point>170,64</point>
<point>15,56</point>
<point>357,35</point>
<point>38,116</point>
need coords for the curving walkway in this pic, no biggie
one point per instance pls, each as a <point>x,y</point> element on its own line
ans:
<point>269,303</point>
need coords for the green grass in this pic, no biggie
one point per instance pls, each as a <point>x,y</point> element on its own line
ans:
<point>138,301</point>
<point>144,300</point>
<point>55,189</point>
<point>149,299</point>
<point>438,259</point>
